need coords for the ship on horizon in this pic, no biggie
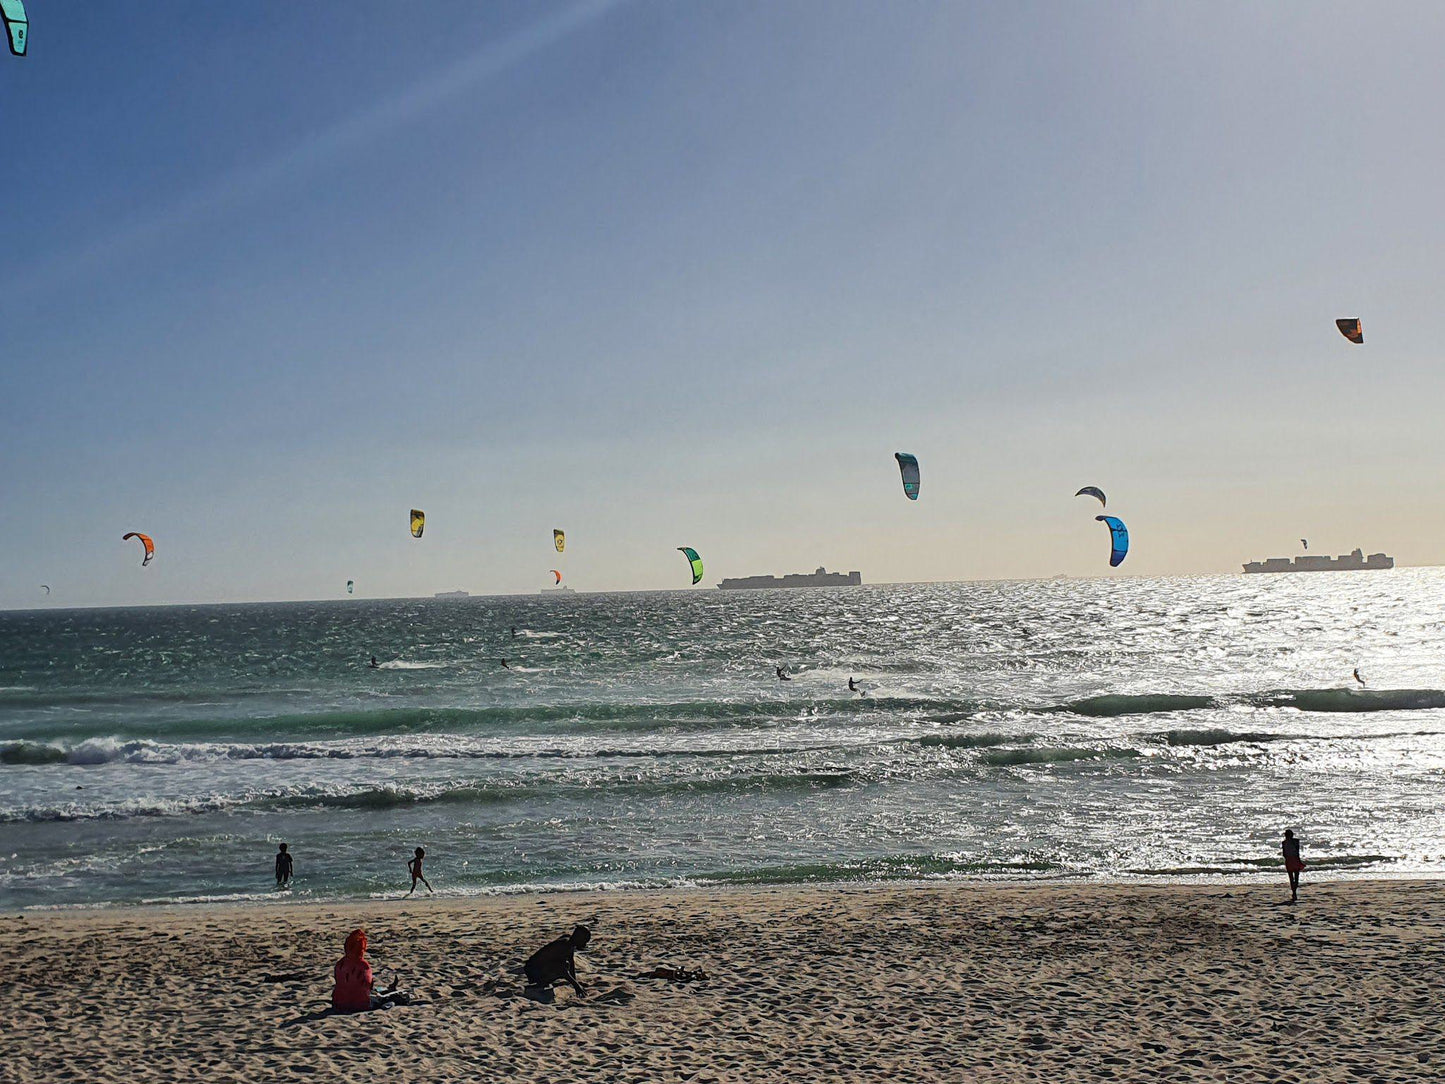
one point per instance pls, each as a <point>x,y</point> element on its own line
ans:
<point>820,578</point>
<point>1354,561</point>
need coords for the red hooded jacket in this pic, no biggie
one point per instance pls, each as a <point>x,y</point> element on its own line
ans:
<point>353,976</point>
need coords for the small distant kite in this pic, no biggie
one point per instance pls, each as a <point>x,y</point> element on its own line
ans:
<point>1119,538</point>
<point>1094,491</point>
<point>559,539</point>
<point>694,560</point>
<point>557,574</point>
<point>418,522</point>
<point>47,587</point>
<point>908,468</point>
<point>350,587</point>
<point>1305,542</point>
<point>17,25</point>
<point>145,540</point>
<point>1352,329</point>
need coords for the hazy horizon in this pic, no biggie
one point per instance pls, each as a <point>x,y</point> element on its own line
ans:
<point>667,275</point>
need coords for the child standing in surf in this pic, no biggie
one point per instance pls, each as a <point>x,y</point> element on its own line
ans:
<point>414,868</point>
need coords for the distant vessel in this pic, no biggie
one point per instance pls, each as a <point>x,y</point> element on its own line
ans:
<point>558,591</point>
<point>820,578</point>
<point>452,594</point>
<point>1354,561</point>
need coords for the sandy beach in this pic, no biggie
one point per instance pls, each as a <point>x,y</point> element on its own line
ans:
<point>910,982</point>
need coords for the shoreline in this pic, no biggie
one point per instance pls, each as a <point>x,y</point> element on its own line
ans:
<point>265,899</point>
<point>986,981</point>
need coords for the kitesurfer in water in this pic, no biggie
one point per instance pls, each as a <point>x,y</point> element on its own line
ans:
<point>1358,678</point>
<point>374,664</point>
<point>1292,863</point>
<point>782,676</point>
<point>504,665</point>
<point>853,685</point>
<point>514,632</point>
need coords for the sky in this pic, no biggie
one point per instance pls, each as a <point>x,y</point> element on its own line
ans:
<point>662,274</point>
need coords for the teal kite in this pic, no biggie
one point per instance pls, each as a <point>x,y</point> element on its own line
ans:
<point>908,468</point>
<point>17,25</point>
<point>1119,539</point>
<point>695,560</point>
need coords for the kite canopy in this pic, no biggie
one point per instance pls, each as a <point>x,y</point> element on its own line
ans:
<point>557,574</point>
<point>1305,542</point>
<point>145,540</point>
<point>350,586</point>
<point>908,467</point>
<point>47,587</point>
<point>1351,328</point>
<point>559,539</point>
<point>1094,491</point>
<point>696,561</point>
<point>1119,537</point>
<point>418,522</point>
<point>17,24</point>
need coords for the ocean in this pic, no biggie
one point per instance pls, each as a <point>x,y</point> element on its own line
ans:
<point>1113,728</point>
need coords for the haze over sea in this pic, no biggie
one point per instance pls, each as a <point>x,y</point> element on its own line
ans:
<point>1102,728</point>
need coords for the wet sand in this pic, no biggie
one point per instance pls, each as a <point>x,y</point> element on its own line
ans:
<point>903,982</point>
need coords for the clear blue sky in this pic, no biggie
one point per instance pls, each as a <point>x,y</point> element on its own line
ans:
<point>669,274</point>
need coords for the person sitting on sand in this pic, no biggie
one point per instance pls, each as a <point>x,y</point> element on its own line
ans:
<point>554,963</point>
<point>414,868</point>
<point>1292,863</point>
<point>352,991</point>
<point>283,867</point>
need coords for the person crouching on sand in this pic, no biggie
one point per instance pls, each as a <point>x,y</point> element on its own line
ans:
<point>553,962</point>
<point>1292,863</point>
<point>414,868</point>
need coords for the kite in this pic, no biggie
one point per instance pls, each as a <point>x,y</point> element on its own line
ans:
<point>691,555</point>
<point>1351,328</point>
<point>557,574</point>
<point>350,587</point>
<point>1305,542</point>
<point>145,540</point>
<point>47,587</point>
<point>1094,491</point>
<point>559,540</point>
<point>1119,536</point>
<point>16,23</point>
<point>908,467</point>
<point>418,522</point>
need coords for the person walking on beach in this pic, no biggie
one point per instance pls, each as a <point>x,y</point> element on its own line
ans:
<point>414,868</point>
<point>283,868</point>
<point>1292,863</point>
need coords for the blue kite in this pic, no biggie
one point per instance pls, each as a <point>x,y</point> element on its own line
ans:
<point>1119,536</point>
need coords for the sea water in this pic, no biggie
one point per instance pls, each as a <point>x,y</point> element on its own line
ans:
<point>1114,729</point>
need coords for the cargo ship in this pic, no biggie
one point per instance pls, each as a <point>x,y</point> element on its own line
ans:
<point>452,594</point>
<point>821,578</point>
<point>1353,561</point>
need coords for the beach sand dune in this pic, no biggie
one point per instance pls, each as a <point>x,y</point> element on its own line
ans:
<point>904,983</point>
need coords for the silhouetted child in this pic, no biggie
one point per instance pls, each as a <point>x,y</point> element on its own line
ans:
<point>1292,863</point>
<point>414,868</point>
<point>283,868</point>
<point>553,962</point>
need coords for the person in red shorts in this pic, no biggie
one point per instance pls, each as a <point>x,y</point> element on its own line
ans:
<point>1292,863</point>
